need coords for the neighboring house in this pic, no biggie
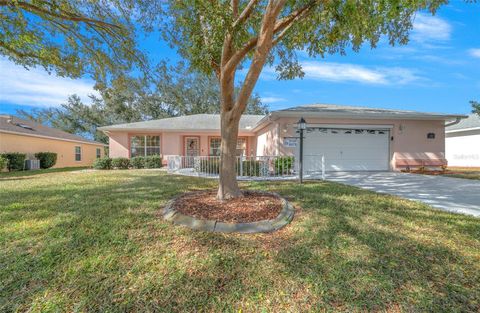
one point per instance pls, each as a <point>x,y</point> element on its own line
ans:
<point>350,138</point>
<point>18,135</point>
<point>463,143</point>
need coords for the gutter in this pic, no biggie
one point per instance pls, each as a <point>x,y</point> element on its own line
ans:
<point>461,130</point>
<point>457,120</point>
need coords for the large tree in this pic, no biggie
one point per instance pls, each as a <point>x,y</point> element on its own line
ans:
<point>222,36</point>
<point>217,37</point>
<point>175,90</point>
<point>72,37</point>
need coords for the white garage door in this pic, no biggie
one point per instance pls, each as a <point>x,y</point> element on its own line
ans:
<point>346,149</point>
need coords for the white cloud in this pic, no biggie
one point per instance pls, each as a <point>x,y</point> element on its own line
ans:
<point>344,72</point>
<point>268,100</point>
<point>474,52</point>
<point>428,28</point>
<point>35,87</point>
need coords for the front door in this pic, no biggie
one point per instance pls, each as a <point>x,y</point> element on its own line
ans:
<point>192,149</point>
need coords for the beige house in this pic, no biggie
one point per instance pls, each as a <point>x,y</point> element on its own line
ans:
<point>18,135</point>
<point>348,138</point>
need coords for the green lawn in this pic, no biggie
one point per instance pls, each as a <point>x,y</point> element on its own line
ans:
<point>95,242</point>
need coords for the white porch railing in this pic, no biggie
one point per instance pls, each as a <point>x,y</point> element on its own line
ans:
<point>248,167</point>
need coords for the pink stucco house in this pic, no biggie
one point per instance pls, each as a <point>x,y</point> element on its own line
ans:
<point>350,138</point>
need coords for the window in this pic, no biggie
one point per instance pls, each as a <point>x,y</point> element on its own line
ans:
<point>215,146</point>
<point>78,153</point>
<point>241,146</point>
<point>99,153</point>
<point>144,145</point>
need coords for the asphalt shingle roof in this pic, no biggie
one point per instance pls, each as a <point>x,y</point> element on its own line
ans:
<point>14,124</point>
<point>359,111</point>
<point>209,122</point>
<point>473,121</point>
<point>187,122</point>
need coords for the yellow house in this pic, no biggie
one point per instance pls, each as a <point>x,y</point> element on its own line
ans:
<point>18,135</point>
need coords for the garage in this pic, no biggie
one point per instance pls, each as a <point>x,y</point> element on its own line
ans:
<point>347,149</point>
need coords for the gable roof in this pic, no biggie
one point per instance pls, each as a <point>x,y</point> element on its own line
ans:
<point>470,123</point>
<point>15,125</point>
<point>333,110</point>
<point>211,122</point>
<point>202,122</point>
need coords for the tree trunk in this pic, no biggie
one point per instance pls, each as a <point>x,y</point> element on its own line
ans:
<point>231,109</point>
<point>228,186</point>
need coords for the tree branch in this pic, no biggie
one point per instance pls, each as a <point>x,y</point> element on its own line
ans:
<point>300,14</point>
<point>245,13</point>
<point>69,16</point>
<point>264,44</point>
<point>279,26</point>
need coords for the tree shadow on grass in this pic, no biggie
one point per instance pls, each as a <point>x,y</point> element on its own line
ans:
<point>361,259</point>
<point>93,243</point>
<point>98,244</point>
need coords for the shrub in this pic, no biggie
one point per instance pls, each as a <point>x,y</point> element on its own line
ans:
<point>210,166</point>
<point>249,168</point>
<point>138,162</point>
<point>104,163</point>
<point>3,162</point>
<point>121,163</point>
<point>153,161</point>
<point>284,165</point>
<point>47,159</point>
<point>16,161</point>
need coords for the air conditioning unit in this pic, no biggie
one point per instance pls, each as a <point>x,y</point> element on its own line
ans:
<point>32,164</point>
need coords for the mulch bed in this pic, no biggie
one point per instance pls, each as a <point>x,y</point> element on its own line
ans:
<point>252,207</point>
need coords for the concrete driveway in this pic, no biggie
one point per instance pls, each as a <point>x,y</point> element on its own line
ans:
<point>446,193</point>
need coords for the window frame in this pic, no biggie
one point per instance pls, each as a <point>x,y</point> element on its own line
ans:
<point>145,147</point>
<point>210,139</point>
<point>98,153</point>
<point>78,154</point>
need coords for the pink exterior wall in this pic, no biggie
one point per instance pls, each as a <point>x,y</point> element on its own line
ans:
<point>118,145</point>
<point>268,140</point>
<point>172,143</point>
<point>409,137</point>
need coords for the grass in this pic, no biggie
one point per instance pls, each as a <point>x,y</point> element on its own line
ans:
<point>467,173</point>
<point>38,172</point>
<point>95,242</point>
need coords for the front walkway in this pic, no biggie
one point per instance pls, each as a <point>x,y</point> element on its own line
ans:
<point>446,193</point>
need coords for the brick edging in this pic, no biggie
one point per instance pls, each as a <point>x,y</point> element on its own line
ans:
<point>284,218</point>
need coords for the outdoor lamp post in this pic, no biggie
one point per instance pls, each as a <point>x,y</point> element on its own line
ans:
<point>302,125</point>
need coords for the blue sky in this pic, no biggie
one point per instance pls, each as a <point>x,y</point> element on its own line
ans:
<point>438,71</point>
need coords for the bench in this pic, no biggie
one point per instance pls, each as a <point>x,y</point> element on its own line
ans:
<point>420,163</point>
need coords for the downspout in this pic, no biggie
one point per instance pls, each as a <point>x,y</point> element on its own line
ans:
<point>457,120</point>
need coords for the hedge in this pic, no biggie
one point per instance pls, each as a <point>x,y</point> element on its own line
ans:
<point>104,163</point>
<point>249,168</point>
<point>284,165</point>
<point>153,161</point>
<point>138,162</point>
<point>3,162</point>
<point>210,166</point>
<point>16,161</point>
<point>246,168</point>
<point>121,163</point>
<point>47,159</point>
